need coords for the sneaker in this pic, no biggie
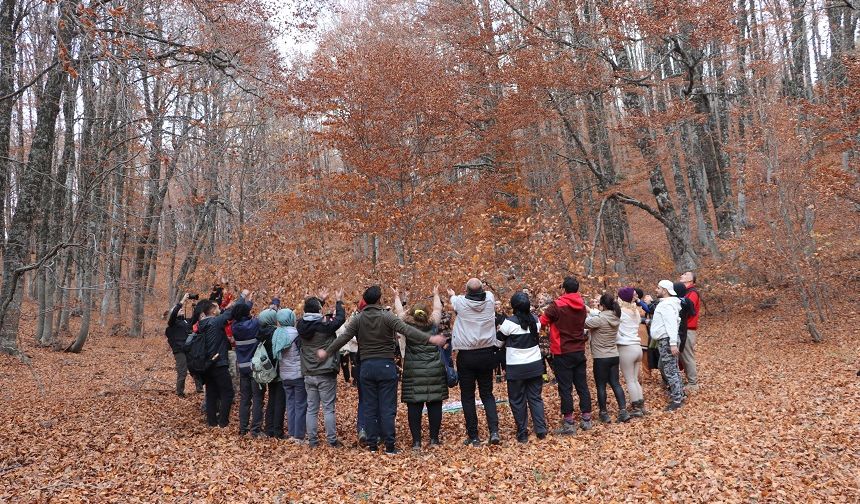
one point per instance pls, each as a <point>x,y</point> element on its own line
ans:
<point>674,405</point>
<point>392,451</point>
<point>494,438</point>
<point>541,436</point>
<point>336,444</point>
<point>691,388</point>
<point>472,442</point>
<point>435,442</point>
<point>566,429</point>
<point>416,446</point>
<point>362,439</point>
<point>623,416</point>
<point>259,435</point>
<point>585,424</point>
<point>522,439</point>
<point>313,444</point>
<point>372,448</point>
<point>636,411</point>
<point>604,417</point>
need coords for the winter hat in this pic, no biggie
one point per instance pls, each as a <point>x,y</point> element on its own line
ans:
<point>668,285</point>
<point>268,317</point>
<point>626,294</point>
<point>680,289</point>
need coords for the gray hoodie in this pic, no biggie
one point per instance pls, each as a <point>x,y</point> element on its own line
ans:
<point>475,325</point>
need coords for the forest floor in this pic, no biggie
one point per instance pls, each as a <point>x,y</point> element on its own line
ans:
<point>776,419</point>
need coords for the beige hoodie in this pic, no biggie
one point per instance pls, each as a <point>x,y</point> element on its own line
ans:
<point>603,328</point>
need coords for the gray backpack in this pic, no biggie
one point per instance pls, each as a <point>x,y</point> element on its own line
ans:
<point>263,369</point>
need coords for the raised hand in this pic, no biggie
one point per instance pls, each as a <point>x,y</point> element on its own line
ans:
<point>323,294</point>
<point>338,295</point>
<point>436,290</point>
<point>451,292</point>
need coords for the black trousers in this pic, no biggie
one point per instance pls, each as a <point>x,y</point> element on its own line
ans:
<point>276,408</point>
<point>525,396</point>
<point>434,418</point>
<point>475,367</point>
<point>570,372</point>
<point>219,396</point>
<point>606,371</point>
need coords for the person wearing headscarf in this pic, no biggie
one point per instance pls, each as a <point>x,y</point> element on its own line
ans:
<point>525,367</point>
<point>286,344</point>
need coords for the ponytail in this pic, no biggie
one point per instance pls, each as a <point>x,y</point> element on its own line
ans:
<point>609,302</point>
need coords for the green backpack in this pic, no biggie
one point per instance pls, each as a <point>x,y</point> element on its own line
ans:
<point>263,369</point>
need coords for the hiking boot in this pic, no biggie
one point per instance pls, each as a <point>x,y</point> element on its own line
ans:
<point>623,416</point>
<point>435,442</point>
<point>585,424</point>
<point>362,439</point>
<point>541,436</point>
<point>691,388</point>
<point>392,451</point>
<point>494,438</point>
<point>636,411</point>
<point>472,442</point>
<point>604,417</point>
<point>372,448</point>
<point>257,435</point>
<point>674,405</point>
<point>566,429</point>
<point>416,446</point>
<point>522,439</point>
<point>180,394</point>
<point>336,444</point>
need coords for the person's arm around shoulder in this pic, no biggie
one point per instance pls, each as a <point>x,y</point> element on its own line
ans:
<point>349,331</point>
<point>412,334</point>
<point>549,315</point>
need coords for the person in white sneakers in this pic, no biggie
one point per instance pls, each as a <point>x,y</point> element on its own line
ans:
<point>664,330</point>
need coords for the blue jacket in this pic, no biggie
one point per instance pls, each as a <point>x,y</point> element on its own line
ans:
<point>245,333</point>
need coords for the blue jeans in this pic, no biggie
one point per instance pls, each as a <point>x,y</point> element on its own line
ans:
<point>379,388</point>
<point>297,406</point>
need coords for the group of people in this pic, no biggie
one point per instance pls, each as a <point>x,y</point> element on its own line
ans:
<point>287,364</point>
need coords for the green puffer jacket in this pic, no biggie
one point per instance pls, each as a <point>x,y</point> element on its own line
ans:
<point>424,377</point>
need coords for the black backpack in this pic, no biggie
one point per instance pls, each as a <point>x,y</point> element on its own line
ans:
<point>195,352</point>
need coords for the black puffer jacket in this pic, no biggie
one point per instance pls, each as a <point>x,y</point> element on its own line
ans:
<point>424,377</point>
<point>178,329</point>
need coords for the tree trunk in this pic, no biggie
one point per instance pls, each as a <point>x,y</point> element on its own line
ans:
<point>7,85</point>
<point>39,161</point>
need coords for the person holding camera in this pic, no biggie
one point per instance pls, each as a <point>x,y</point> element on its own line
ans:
<point>178,329</point>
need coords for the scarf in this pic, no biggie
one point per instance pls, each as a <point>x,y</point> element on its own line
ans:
<point>286,332</point>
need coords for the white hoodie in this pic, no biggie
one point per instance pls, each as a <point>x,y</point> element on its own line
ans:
<point>667,320</point>
<point>475,325</point>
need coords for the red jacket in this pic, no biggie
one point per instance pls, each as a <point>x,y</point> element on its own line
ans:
<point>566,320</point>
<point>693,296</point>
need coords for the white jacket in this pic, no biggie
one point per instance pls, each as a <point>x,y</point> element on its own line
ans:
<point>666,320</point>
<point>628,329</point>
<point>475,325</point>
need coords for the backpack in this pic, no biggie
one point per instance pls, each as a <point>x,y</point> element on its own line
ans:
<point>263,369</point>
<point>195,352</point>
